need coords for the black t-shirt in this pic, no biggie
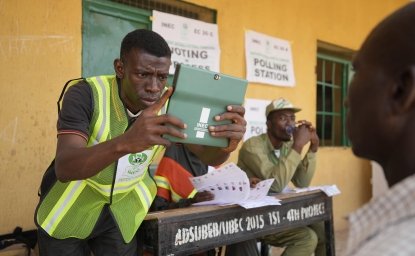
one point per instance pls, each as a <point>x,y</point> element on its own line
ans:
<point>77,109</point>
<point>75,116</point>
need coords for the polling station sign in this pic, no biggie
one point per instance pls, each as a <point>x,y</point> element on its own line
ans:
<point>255,117</point>
<point>192,42</point>
<point>268,60</point>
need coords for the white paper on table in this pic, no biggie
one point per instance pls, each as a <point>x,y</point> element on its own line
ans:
<point>330,190</point>
<point>229,172</point>
<point>230,185</point>
<point>258,196</point>
<point>266,200</point>
<point>261,189</point>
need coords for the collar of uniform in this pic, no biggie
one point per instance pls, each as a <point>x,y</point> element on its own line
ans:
<point>131,115</point>
<point>283,149</point>
<point>270,147</point>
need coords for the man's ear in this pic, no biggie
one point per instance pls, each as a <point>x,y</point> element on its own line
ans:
<point>403,91</point>
<point>119,68</point>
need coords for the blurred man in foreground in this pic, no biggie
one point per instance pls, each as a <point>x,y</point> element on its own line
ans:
<point>381,126</point>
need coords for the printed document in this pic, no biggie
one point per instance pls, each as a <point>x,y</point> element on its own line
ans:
<point>230,185</point>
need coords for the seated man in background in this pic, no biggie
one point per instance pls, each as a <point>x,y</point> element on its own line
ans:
<point>277,154</point>
<point>174,190</point>
<point>381,125</point>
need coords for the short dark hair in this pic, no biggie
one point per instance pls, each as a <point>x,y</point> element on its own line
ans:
<point>147,40</point>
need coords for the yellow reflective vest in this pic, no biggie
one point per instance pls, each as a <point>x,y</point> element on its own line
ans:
<point>71,209</point>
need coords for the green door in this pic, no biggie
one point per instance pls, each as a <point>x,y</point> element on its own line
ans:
<point>104,24</point>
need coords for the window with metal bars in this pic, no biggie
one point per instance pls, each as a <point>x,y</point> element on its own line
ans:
<point>333,75</point>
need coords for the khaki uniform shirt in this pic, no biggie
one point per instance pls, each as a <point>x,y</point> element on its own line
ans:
<point>258,159</point>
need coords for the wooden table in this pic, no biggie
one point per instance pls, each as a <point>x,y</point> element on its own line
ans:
<point>188,230</point>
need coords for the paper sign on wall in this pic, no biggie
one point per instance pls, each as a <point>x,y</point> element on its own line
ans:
<point>192,42</point>
<point>268,60</point>
<point>255,117</point>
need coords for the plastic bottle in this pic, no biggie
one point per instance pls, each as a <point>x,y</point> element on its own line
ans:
<point>290,129</point>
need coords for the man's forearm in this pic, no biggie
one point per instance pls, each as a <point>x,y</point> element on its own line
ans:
<point>77,163</point>
<point>305,171</point>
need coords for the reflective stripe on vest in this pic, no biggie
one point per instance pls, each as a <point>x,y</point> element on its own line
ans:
<point>144,194</point>
<point>163,182</point>
<point>101,128</point>
<point>62,206</point>
<point>191,195</point>
<point>109,120</point>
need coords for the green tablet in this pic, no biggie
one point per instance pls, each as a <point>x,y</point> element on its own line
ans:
<point>199,95</point>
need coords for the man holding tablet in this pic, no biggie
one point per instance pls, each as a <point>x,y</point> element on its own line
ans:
<point>97,190</point>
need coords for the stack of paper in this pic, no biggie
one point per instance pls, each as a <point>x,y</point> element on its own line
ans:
<point>230,185</point>
<point>330,190</point>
